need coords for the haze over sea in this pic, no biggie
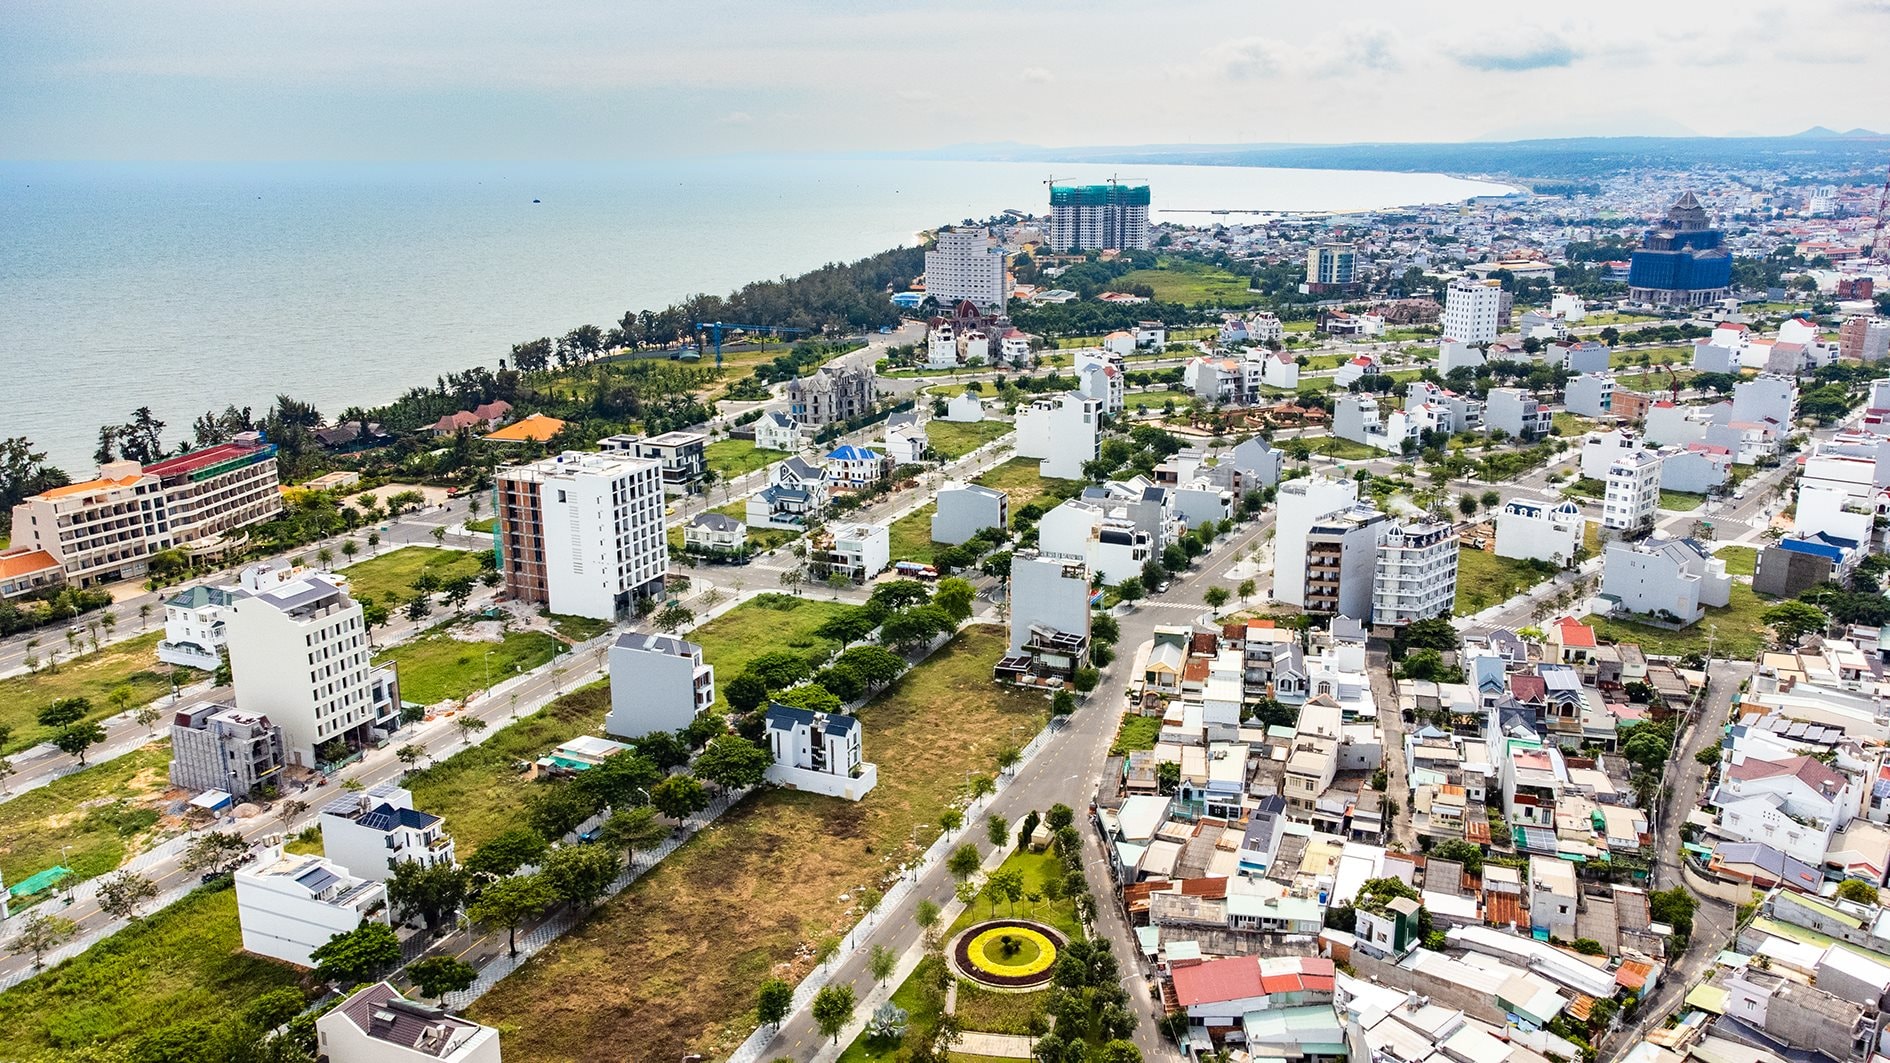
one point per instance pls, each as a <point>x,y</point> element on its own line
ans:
<point>186,287</point>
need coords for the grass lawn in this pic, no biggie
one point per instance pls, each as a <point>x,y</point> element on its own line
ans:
<point>577,628</point>
<point>132,663</point>
<point>393,572</point>
<point>1142,400</point>
<point>480,788</point>
<point>1343,449</point>
<point>735,904</point>
<point>1484,579</point>
<point>436,666</point>
<point>1591,538</point>
<point>1626,357</point>
<point>731,458</point>
<point>920,1011</point>
<point>761,625</point>
<point>1736,630</point>
<point>955,439</point>
<point>483,524</point>
<point>97,814</point>
<point>1740,560</point>
<point>1572,425</point>
<point>1585,487</point>
<point>982,1009</point>
<point>1315,362</point>
<point>1680,501</point>
<point>181,964</point>
<point>910,537</point>
<point>1018,479</point>
<point>1137,732</point>
<point>1182,281</point>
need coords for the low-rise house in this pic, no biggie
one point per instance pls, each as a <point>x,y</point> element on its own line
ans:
<point>1539,530</point>
<point>818,751</point>
<point>856,551</point>
<point>1663,576</point>
<point>710,532</point>
<point>1049,619</point>
<point>657,683</point>
<point>24,572</point>
<point>1256,458</point>
<point>1802,1016</point>
<point>194,628</point>
<point>965,509</point>
<point>217,746</point>
<point>373,832</point>
<point>776,430</point>
<point>1355,369</point>
<point>378,1025</point>
<point>1698,468</point>
<point>1102,537</point>
<point>1517,412</point>
<point>1590,394</point>
<point>681,457</point>
<point>850,468</point>
<point>1218,994</point>
<point>1060,431</point>
<point>962,408</point>
<point>796,495</point>
<point>580,754</point>
<point>289,905</point>
<point>1795,564</point>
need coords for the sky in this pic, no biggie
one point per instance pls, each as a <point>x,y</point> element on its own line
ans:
<point>629,79</point>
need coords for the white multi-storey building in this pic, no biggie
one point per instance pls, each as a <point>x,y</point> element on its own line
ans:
<point>378,1025</point>
<point>857,551</point>
<point>1061,431</point>
<point>1050,617</point>
<point>1665,576</point>
<point>582,534</point>
<point>1531,529</point>
<point>1472,310</point>
<point>1301,503</point>
<point>107,528</point>
<point>1633,491</point>
<point>818,751</point>
<point>299,655</point>
<point>681,457</point>
<point>290,905</point>
<point>657,683</point>
<point>194,628</point>
<point>1099,217</point>
<point>1416,575</point>
<point>966,265</point>
<point>372,833</point>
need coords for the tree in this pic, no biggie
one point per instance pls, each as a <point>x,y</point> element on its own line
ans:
<point>1215,597</point>
<point>436,976</point>
<point>41,933</point>
<point>673,617</point>
<point>1007,885</point>
<point>469,726</point>
<point>359,955</point>
<point>1647,749</point>
<point>926,914</point>
<point>1856,889</point>
<point>410,753</point>
<point>997,830</point>
<point>433,892</point>
<point>811,697</point>
<point>679,796</point>
<point>121,895</point>
<point>875,664</point>
<point>1062,703</point>
<point>955,596</point>
<point>1461,851</point>
<point>964,862</point>
<point>412,714</point>
<point>1130,589</point>
<point>507,853</point>
<point>75,739</point>
<point>1792,621</point>
<point>1007,758</point>
<point>773,1001</point>
<point>1060,816</point>
<point>579,874</point>
<point>882,962</point>
<point>418,608</point>
<point>745,692</point>
<point>1245,590</point>
<point>833,1009</point>
<point>147,716</point>
<point>511,901</point>
<point>631,829</point>
<point>215,853</point>
<point>64,712</point>
<point>950,820</point>
<point>732,762</point>
<point>982,785</point>
<point>557,810</point>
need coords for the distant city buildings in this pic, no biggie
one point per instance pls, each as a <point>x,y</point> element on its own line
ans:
<point>582,533</point>
<point>1331,267</point>
<point>1101,217</point>
<point>967,264</point>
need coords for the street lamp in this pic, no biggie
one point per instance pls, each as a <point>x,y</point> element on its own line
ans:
<point>487,662</point>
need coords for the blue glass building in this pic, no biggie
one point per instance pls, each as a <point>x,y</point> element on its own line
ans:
<point>1681,263</point>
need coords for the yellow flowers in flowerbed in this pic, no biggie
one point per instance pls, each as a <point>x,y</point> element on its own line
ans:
<point>1012,952</point>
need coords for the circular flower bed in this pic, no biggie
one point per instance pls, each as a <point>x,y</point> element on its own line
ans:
<point>1007,953</point>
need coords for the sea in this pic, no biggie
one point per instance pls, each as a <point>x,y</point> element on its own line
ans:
<point>186,287</point>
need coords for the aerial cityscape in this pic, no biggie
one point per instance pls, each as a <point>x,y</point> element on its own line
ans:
<point>1312,591</point>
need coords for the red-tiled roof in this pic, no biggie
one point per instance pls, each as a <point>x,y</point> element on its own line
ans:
<point>1240,977</point>
<point>1632,974</point>
<point>1504,909</point>
<point>1813,773</point>
<point>1525,687</point>
<point>1575,633</point>
<point>198,459</point>
<point>1204,887</point>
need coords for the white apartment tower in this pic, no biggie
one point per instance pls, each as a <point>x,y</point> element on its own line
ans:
<point>966,265</point>
<point>1416,577</point>
<point>1471,310</point>
<point>1633,494</point>
<point>299,655</point>
<point>582,534</point>
<point>1302,503</point>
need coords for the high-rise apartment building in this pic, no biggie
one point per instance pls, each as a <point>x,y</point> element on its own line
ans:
<point>299,655</point>
<point>967,265</point>
<point>1341,549</point>
<point>582,533</point>
<point>1302,503</point>
<point>1864,339</point>
<point>1416,574</point>
<point>1112,216</point>
<point>1633,491</point>
<point>107,528</point>
<point>1472,310</point>
<point>1330,267</point>
<point>1681,263</point>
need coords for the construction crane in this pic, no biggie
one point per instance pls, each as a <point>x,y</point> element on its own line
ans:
<point>714,328</point>
<point>1674,392</point>
<point>1879,239</point>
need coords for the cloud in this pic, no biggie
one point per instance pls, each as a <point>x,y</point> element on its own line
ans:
<point>1542,55</point>
<point>916,95</point>
<point>736,118</point>
<point>1037,75</point>
<point>1345,51</point>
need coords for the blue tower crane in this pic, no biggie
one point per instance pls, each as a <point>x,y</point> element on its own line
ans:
<point>715,332</point>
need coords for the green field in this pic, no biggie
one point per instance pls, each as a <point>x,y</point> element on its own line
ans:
<point>131,664</point>
<point>1584,487</point>
<point>1740,560</point>
<point>1137,732</point>
<point>1736,631</point>
<point>910,537</point>
<point>88,821</point>
<point>1342,449</point>
<point>483,524</point>
<point>1180,281</point>
<point>389,577</point>
<point>739,901</point>
<point>1572,425</point>
<point>955,439</point>
<point>1141,400</point>
<point>1019,480</point>
<point>179,965</point>
<point>731,458</point>
<point>1484,579</point>
<point>437,667</point>
<point>761,625</point>
<point>1681,501</point>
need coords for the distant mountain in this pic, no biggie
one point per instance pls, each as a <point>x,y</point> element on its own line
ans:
<point>1860,131</point>
<point>1817,132</point>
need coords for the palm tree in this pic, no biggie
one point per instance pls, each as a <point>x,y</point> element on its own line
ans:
<point>374,541</point>
<point>144,616</point>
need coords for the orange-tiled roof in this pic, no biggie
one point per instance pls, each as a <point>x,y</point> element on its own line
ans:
<point>1575,633</point>
<point>88,487</point>
<point>1503,909</point>
<point>1204,887</point>
<point>536,428</point>
<point>1582,1006</point>
<point>1195,670</point>
<point>28,561</point>
<point>1632,974</point>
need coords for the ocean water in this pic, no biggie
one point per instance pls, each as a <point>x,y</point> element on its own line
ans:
<point>186,287</point>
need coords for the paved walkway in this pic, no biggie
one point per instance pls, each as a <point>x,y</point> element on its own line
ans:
<point>1007,1045</point>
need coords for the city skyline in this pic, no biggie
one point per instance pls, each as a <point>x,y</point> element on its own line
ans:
<point>213,81</point>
